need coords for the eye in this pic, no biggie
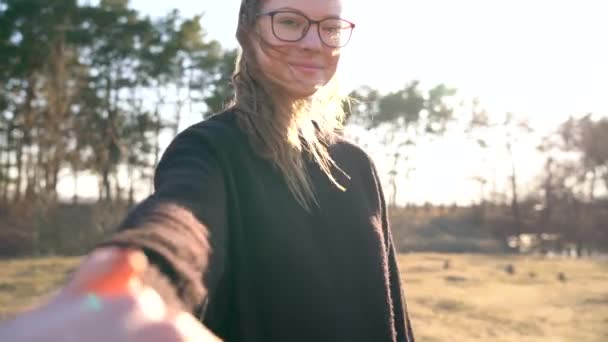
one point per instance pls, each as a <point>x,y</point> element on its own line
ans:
<point>334,26</point>
<point>289,20</point>
<point>332,29</point>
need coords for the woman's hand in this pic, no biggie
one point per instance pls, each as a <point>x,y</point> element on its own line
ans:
<point>106,301</point>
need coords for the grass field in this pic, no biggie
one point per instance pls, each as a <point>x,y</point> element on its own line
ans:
<point>473,300</point>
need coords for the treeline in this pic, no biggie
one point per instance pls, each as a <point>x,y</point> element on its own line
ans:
<point>566,207</point>
<point>82,88</point>
<point>93,89</point>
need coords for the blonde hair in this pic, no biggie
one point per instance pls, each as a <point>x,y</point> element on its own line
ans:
<point>280,132</point>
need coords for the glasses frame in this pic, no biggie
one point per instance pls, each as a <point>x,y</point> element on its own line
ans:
<point>272,14</point>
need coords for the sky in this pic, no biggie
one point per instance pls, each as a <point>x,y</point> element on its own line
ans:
<point>541,59</point>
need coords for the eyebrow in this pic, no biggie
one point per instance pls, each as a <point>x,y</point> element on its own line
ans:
<point>291,9</point>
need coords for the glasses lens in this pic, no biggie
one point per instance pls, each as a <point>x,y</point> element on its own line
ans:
<point>289,26</point>
<point>335,32</point>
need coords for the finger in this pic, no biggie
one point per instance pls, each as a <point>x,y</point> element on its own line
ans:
<point>93,318</point>
<point>71,316</point>
<point>158,332</point>
<point>123,276</point>
<point>109,272</point>
<point>91,266</point>
<point>151,304</point>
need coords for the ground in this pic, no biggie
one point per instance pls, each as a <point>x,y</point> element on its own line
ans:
<point>474,299</point>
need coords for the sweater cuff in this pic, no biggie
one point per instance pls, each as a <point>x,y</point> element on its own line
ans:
<point>176,247</point>
<point>158,281</point>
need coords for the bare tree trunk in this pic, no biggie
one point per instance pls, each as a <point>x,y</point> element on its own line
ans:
<point>117,188</point>
<point>178,110</point>
<point>40,168</point>
<point>4,167</point>
<point>54,180</point>
<point>58,112</point>
<point>3,175</point>
<point>592,185</point>
<point>110,140</point>
<point>548,194</point>
<point>157,130</point>
<point>105,175</point>
<point>515,210</point>
<point>75,185</point>
<point>5,163</point>
<point>578,211</point>
<point>589,226</point>
<point>158,126</point>
<point>100,188</point>
<point>44,156</point>
<point>131,180</point>
<point>393,180</point>
<point>32,175</point>
<point>20,171</point>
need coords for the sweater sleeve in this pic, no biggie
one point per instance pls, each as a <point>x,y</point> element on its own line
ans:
<point>403,324</point>
<point>181,227</point>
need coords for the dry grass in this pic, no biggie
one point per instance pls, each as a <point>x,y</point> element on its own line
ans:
<point>474,300</point>
<point>25,282</point>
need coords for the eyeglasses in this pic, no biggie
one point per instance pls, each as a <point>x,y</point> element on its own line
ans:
<point>291,27</point>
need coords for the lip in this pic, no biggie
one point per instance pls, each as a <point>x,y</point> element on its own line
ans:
<point>307,66</point>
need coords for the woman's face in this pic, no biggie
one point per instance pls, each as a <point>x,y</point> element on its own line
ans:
<point>298,67</point>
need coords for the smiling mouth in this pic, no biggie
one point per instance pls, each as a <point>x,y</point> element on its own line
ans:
<point>306,67</point>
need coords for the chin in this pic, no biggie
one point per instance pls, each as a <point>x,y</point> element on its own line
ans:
<point>305,91</point>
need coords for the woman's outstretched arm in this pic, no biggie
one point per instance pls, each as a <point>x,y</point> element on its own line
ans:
<point>180,233</point>
<point>181,227</point>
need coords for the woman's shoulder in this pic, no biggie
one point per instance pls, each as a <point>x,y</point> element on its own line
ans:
<point>357,163</point>
<point>217,134</point>
<point>215,123</point>
<point>219,128</point>
<point>344,148</point>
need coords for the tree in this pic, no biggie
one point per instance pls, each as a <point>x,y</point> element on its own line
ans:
<point>587,138</point>
<point>514,130</point>
<point>221,91</point>
<point>76,84</point>
<point>36,73</point>
<point>402,118</point>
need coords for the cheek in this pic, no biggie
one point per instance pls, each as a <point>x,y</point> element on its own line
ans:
<point>269,53</point>
<point>265,31</point>
<point>332,58</point>
<point>271,62</point>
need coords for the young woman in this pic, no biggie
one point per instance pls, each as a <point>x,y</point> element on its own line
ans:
<point>265,223</point>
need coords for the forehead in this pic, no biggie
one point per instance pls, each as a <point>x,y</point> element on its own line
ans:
<point>312,8</point>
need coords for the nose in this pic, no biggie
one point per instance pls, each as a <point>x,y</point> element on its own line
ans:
<point>312,40</point>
